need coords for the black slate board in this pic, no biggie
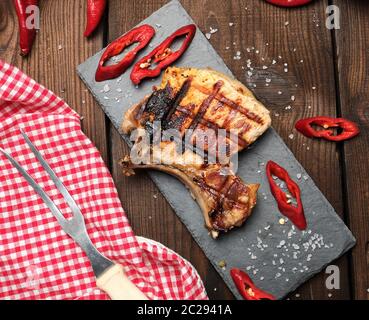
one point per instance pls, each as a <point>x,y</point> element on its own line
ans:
<point>278,257</point>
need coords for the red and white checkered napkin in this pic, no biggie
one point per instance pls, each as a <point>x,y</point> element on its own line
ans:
<point>37,259</point>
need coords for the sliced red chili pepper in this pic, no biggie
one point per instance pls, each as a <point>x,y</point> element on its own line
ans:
<point>247,288</point>
<point>26,35</point>
<point>95,11</point>
<point>349,128</point>
<point>289,3</point>
<point>294,213</point>
<point>142,35</point>
<point>162,55</point>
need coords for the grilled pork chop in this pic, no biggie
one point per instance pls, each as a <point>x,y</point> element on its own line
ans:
<point>196,100</point>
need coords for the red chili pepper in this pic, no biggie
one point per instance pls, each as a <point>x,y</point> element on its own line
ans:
<point>95,11</point>
<point>26,35</point>
<point>294,213</point>
<point>247,288</point>
<point>142,35</point>
<point>289,3</point>
<point>162,55</point>
<point>350,129</point>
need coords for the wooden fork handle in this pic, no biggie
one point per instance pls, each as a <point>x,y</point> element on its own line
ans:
<point>116,284</point>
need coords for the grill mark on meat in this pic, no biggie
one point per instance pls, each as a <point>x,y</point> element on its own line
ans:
<point>211,125</point>
<point>205,104</point>
<point>200,114</point>
<point>220,197</point>
<point>227,198</point>
<point>176,120</point>
<point>185,113</point>
<point>250,115</point>
<point>241,141</point>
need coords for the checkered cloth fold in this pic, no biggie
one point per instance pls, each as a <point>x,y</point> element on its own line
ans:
<point>37,259</point>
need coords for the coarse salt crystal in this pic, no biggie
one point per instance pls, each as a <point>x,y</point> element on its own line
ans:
<point>281,244</point>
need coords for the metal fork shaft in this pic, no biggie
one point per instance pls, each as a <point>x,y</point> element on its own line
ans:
<point>98,261</point>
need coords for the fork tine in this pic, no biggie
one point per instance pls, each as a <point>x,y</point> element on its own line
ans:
<point>50,204</point>
<point>58,183</point>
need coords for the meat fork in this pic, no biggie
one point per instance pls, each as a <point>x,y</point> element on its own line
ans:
<point>109,275</point>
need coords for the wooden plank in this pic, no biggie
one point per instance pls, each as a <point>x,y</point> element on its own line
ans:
<point>8,27</point>
<point>353,79</point>
<point>58,49</point>
<point>251,28</point>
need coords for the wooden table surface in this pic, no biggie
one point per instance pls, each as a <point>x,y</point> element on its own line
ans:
<point>328,73</point>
